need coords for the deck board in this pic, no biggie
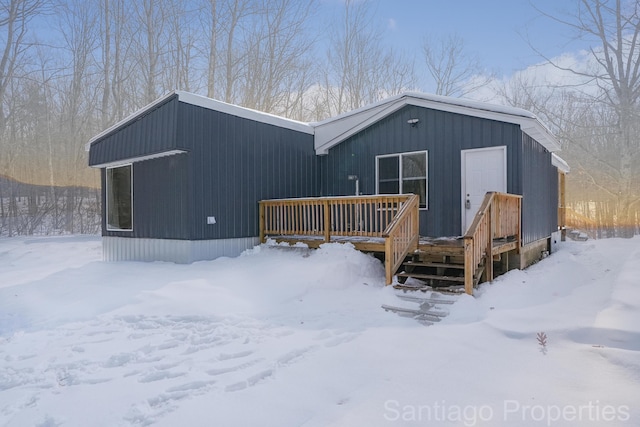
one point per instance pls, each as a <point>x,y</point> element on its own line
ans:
<point>441,246</point>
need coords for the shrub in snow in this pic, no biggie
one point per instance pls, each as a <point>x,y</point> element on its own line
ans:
<point>542,342</point>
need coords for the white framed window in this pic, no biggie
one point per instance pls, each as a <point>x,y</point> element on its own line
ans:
<point>119,189</point>
<point>403,173</point>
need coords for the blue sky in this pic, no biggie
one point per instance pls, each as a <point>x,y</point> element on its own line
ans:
<point>495,30</point>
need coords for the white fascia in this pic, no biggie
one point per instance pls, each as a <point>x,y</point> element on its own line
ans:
<point>247,113</point>
<point>560,163</point>
<point>122,162</point>
<point>333,131</point>
<point>130,117</point>
<point>212,104</point>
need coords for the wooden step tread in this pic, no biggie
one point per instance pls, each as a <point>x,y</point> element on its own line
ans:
<point>450,290</point>
<point>434,264</point>
<point>432,317</point>
<point>426,300</point>
<point>432,276</point>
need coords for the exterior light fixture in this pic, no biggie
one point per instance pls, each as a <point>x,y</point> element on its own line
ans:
<point>413,122</point>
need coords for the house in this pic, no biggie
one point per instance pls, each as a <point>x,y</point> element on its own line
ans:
<point>182,177</point>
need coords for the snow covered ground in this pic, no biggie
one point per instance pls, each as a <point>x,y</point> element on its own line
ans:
<point>289,337</point>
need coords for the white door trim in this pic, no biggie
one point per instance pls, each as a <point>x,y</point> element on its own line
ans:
<point>463,183</point>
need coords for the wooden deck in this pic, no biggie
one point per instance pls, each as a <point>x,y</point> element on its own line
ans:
<point>451,246</point>
<point>388,225</point>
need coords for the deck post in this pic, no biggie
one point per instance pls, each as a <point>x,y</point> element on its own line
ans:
<point>519,238</point>
<point>488,259</point>
<point>388,259</point>
<point>327,221</point>
<point>469,268</point>
<point>416,227</point>
<point>261,210</point>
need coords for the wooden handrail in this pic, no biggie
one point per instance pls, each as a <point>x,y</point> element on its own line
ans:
<point>392,217</point>
<point>498,217</point>
<point>573,218</point>
<point>366,216</point>
<point>401,236</point>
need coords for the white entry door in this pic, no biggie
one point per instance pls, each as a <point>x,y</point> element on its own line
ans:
<point>483,170</point>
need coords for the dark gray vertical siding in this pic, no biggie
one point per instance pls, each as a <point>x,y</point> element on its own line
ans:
<point>235,162</point>
<point>154,132</point>
<point>540,192</point>
<point>159,185</point>
<point>160,205</point>
<point>444,135</point>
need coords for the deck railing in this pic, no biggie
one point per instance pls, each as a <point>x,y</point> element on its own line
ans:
<point>401,236</point>
<point>498,217</point>
<point>392,217</point>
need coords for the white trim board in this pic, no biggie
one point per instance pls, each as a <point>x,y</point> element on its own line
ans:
<point>247,113</point>
<point>330,132</point>
<point>131,160</point>
<point>560,163</point>
<point>211,104</point>
<point>106,182</point>
<point>400,173</point>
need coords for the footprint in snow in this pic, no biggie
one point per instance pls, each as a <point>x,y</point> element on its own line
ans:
<point>294,355</point>
<point>341,339</point>
<point>227,356</point>
<point>160,375</point>
<point>250,382</point>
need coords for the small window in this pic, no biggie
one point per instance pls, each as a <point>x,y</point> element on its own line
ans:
<point>403,173</point>
<point>120,198</point>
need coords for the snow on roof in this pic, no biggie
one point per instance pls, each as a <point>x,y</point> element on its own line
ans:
<point>212,104</point>
<point>332,131</point>
<point>247,113</point>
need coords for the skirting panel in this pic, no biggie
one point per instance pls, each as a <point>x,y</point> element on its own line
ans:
<point>179,251</point>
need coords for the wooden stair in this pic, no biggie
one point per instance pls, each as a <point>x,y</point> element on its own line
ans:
<point>441,272</point>
<point>388,225</point>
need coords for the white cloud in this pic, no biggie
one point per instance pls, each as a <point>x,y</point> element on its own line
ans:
<point>392,24</point>
<point>545,77</point>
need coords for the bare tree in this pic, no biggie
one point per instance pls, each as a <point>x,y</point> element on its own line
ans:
<point>355,59</point>
<point>15,16</point>
<point>613,27</point>
<point>150,44</point>
<point>236,11</point>
<point>211,12</point>
<point>277,48</point>
<point>455,71</point>
<point>116,61</point>
<point>179,64</point>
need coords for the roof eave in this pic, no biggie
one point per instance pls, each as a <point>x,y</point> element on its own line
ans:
<point>211,104</point>
<point>331,132</point>
<point>247,113</point>
<point>560,163</point>
<point>129,118</point>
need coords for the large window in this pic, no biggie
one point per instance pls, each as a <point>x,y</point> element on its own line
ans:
<point>402,174</point>
<point>120,198</point>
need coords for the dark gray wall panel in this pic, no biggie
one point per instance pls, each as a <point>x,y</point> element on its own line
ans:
<point>444,135</point>
<point>234,163</point>
<point>540,192</point>
<point>151,133</point>
<point>160,202</point>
